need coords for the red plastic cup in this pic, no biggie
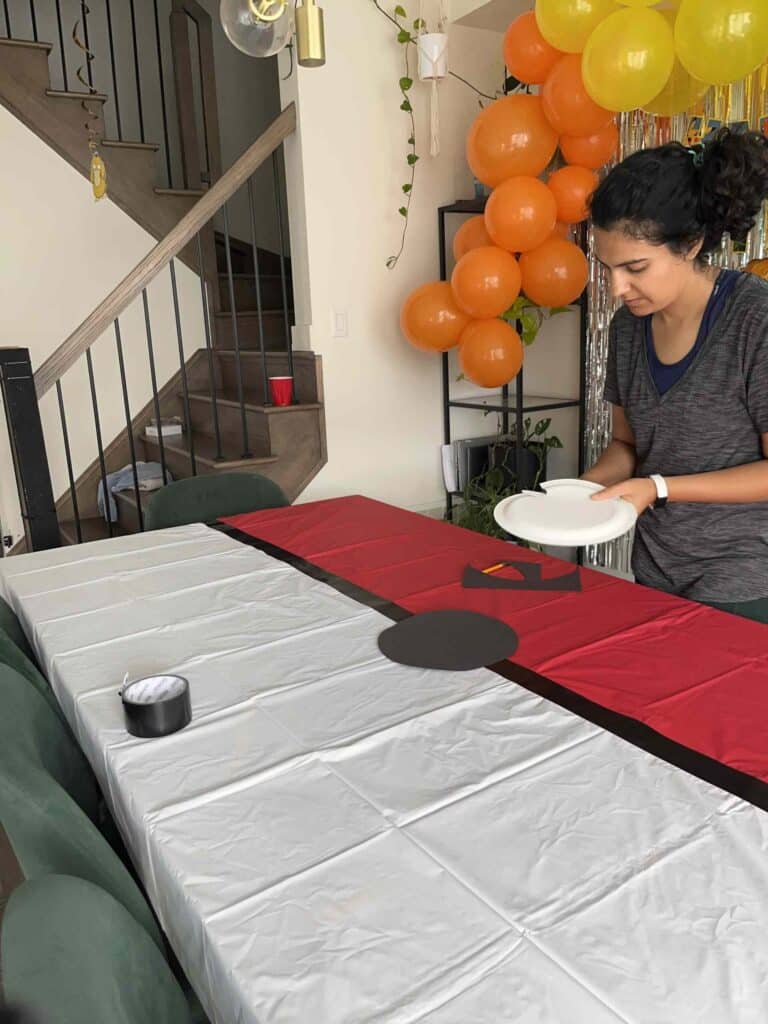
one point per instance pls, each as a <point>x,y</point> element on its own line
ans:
<point>281,390</point>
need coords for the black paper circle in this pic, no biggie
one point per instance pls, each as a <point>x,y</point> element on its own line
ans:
<point>456,641</point>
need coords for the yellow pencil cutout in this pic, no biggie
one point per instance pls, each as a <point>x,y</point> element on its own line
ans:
<point>493,568</point>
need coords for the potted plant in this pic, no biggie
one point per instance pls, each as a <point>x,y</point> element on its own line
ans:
<point>503,479</point>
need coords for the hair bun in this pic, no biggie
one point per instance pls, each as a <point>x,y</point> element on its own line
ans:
<point>734,184</point>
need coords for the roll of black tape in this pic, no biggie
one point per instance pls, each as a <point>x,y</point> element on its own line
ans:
<point>156,705</point>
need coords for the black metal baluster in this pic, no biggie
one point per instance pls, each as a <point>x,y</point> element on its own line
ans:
<point>246,454</point>
<point>153,375</point>
<point>137,72</point>
<point>129,424</point>
<point>209,349</point>
<point>97,423</point>
<point>183,367</point>
<point>265,376</point>
<point>114,70</point>
<point>88,60</point>
<point>8,32</point>
<point>70,472</point>
<point>162,96</point>
<point>34,19</point>
<point>288,341</point>
<point>61,45</point>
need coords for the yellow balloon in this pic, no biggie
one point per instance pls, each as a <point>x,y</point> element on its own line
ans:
<point>721,41</point>
<point>568,24</point>
<point>628,59</point>
<point>681,92</point>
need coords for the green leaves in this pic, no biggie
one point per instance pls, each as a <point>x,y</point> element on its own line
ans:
<point>411,141</point>
<point>403,211</point>
<point>412,158</point>
<point>419,24</point>
<point>406,83</point>
<point>400,12</point>
<point>406,106</point>
<point>403,36</point>
<point>407,188</point>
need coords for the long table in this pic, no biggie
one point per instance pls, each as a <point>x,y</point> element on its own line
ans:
<point>337,838</point>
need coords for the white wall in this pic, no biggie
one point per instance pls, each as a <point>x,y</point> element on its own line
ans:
<point>383,398</point>
<point>60,255</point>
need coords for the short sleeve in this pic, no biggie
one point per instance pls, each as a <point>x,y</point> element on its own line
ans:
<point>611,389</point>
<point>756,369</point>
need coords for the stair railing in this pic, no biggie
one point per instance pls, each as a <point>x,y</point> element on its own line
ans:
<point>31,433</point>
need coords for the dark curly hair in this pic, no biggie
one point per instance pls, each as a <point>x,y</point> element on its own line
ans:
<point>676,195</point>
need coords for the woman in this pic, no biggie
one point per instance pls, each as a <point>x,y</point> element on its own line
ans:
<point>687,372</point>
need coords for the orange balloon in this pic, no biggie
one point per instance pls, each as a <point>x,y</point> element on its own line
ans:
<point>491,353</point>
<point>527,54</point>
<point>520,214</point>
<point>430,318</point>
<point>486,282</point>
<point>567,105</point>
<point>572,188</point>
<point>555,274</point>
<point>591,150</point>
<point>511,136</point>
<point>471,235</point>
<point>562,231</point>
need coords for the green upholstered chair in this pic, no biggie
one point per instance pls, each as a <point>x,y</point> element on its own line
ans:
<point>72,954</point>
<point>10,624</point>
<point>32,734</point>
<point>204,499</point>
<point>12,655</point>
<point>51,835</point>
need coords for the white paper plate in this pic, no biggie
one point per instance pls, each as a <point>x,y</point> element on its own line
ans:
<point>565,516</point>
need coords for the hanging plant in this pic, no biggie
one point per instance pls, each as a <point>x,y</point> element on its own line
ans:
<point>407,37</point>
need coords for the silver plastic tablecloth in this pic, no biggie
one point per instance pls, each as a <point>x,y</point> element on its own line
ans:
<point>336,838</point>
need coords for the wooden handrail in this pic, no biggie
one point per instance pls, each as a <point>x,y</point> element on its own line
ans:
<point>144,272</point>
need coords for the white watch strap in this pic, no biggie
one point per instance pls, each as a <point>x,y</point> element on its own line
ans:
<point>662,491</point>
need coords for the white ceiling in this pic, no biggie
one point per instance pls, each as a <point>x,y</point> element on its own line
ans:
<point>489,14</point>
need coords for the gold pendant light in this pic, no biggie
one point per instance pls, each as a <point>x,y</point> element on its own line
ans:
<point>310,35</point>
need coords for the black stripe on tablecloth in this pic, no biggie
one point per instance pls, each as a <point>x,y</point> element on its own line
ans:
<point>740,784</point>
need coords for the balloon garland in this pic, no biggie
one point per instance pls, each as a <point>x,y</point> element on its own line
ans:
<point>591,59</point>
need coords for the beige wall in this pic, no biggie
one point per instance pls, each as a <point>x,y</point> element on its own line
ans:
<point>345,167</point>
<point>60,254</point>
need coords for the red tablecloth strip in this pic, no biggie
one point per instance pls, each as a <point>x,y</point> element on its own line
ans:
<point>697,676</point>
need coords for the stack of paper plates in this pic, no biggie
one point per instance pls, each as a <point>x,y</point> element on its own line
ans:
<point>564,515</point>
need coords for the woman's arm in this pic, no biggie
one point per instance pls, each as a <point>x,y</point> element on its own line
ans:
<point>618,461</point>
<point>739,485</point>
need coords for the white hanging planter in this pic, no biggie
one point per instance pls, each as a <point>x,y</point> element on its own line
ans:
<point>433,68</point>
<point>433,56</point>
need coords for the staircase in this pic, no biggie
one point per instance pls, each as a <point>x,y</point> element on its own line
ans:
<point>220,393</point>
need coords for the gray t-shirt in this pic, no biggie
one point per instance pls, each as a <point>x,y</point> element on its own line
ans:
<point>711,419</point>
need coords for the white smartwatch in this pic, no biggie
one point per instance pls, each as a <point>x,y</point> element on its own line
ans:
<point>662,491</point>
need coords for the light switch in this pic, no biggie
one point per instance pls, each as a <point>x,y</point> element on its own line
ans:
<point>340,323</point>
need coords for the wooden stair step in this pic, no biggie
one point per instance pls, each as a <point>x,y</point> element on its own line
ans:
<point>190,192</point>
<point>251,403</point>
<point>29,43</point>
<point>61,94</point>
<point>95,528</point>
<point>122,144</point>
<point>205,454</point>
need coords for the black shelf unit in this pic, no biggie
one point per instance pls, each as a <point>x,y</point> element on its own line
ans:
<point>517,404</point>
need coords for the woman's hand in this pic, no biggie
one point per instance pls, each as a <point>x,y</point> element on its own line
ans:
<point>639,491</point>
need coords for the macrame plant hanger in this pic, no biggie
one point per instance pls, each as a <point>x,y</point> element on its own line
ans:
<point>433,64</point>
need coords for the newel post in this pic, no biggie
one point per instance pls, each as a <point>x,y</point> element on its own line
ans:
<point>30,462</point>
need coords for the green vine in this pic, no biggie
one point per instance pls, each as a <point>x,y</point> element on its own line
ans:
<point>405,84</point>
